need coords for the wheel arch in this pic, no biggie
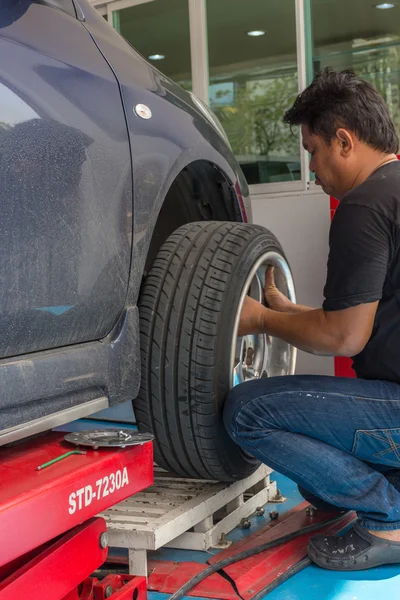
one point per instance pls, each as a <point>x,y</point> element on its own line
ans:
<point>200,192</point>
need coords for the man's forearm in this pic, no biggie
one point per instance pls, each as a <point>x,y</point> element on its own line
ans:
<point>307,329</point>
<point>342,332</point>
<point>297,308</point>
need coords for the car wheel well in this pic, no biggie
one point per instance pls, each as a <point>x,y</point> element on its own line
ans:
<point>201,192</point>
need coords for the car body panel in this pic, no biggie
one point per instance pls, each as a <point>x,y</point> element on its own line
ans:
<point>176,136</point>
<point>37,385</point>
<point>65,186</point>
<point>70,328</point>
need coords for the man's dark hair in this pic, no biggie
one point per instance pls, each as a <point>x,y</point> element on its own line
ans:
<point>336,100</point>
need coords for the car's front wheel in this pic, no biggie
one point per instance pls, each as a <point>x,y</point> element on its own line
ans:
<point>189,306</point>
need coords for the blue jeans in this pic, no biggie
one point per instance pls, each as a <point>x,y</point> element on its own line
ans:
<point>337,438</point>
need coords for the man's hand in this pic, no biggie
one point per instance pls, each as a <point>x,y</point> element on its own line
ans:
<point>273,297</point>
<point>276,300</point>
<point>251,318</point>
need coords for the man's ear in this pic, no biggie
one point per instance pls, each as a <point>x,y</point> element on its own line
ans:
<point>345,140</point>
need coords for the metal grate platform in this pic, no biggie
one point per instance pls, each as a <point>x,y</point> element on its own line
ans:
<point>184,513</point>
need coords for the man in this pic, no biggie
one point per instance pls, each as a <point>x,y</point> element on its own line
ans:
<point>339,439</point>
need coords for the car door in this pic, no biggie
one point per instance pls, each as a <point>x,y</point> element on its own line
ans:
<point>65,182</point>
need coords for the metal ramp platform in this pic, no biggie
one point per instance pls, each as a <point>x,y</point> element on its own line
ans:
<point>185,513</point>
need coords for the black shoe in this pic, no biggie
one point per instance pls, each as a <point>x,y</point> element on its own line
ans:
<point>356,550</point>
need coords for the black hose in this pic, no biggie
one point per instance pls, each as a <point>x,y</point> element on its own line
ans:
<point>302,564</point>
<point>247,554</point>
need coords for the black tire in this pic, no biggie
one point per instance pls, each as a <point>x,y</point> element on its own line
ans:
<point>188,305</point>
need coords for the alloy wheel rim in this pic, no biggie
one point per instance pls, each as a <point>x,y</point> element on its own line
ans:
<point>259,356</point>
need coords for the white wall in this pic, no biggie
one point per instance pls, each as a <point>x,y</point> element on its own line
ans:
<point>301,222</point>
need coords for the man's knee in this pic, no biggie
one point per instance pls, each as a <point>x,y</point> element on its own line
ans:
<point>264,405</point>
<point>241,409</point>
<point>271,403</point>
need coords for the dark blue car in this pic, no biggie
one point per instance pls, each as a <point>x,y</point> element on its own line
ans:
<point>124,250</point>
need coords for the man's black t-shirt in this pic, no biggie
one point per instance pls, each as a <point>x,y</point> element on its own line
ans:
<point>364,266</point>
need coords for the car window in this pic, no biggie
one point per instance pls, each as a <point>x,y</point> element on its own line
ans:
<point>65,5</point>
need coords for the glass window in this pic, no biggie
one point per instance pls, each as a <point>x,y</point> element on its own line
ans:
<point>253,81</point>
<point>364,37</point>
<point>159,30</point>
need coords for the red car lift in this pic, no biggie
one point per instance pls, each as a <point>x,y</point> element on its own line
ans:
<point>51,539</point>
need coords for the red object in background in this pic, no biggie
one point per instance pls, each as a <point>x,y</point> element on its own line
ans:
<point>334,204</point>
<point>343,365</point>
<point>241,202</point>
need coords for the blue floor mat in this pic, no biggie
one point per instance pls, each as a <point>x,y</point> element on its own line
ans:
<point>317,584</point>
